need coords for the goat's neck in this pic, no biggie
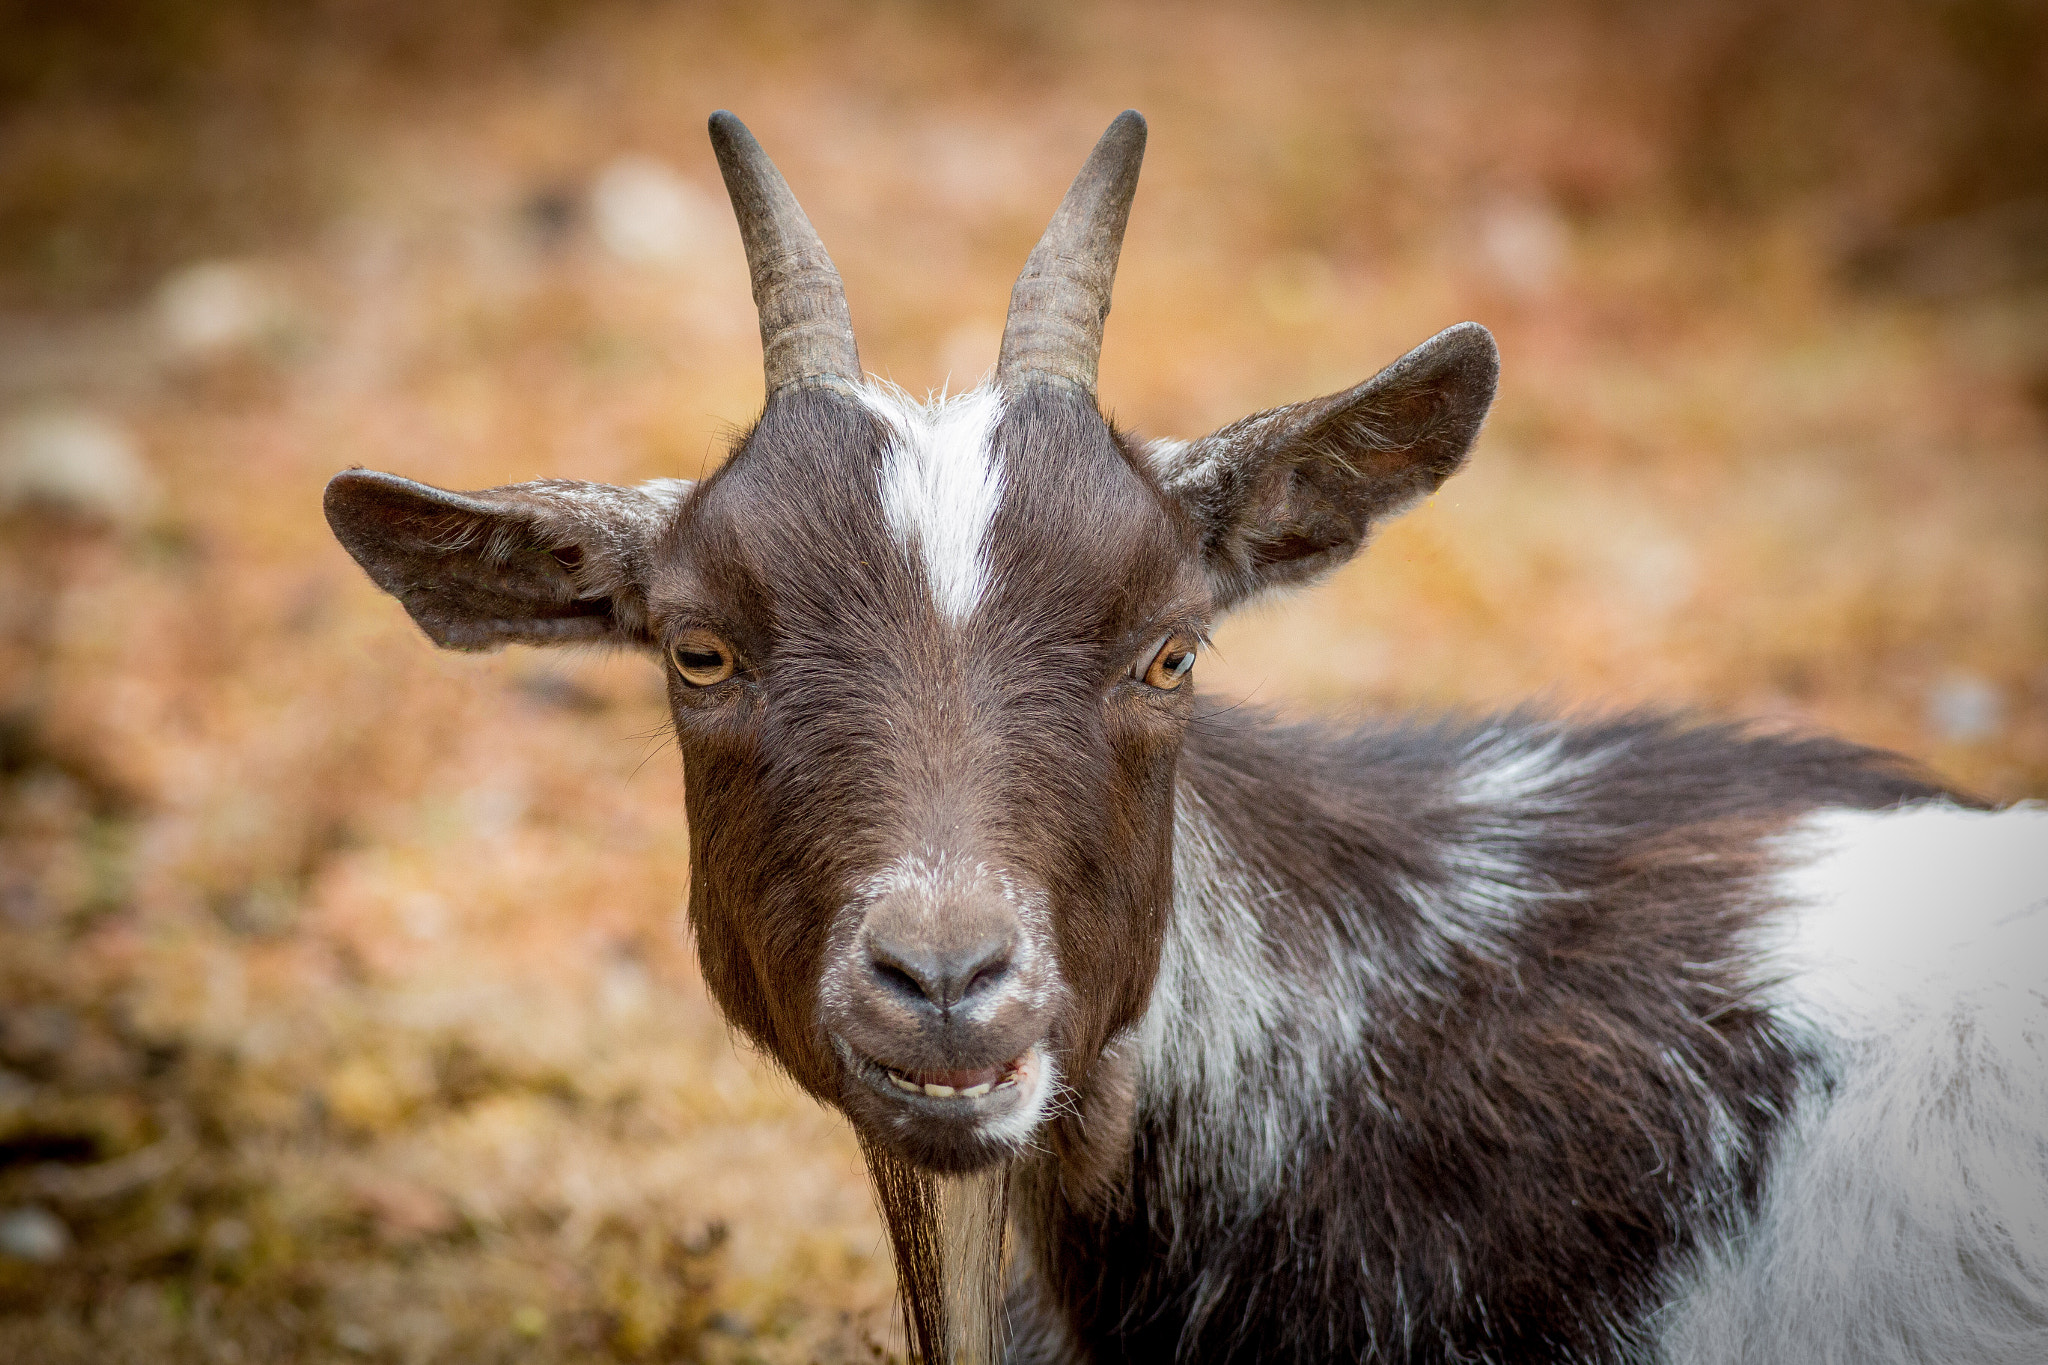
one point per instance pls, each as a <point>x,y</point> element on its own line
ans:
<point>1301,922</point>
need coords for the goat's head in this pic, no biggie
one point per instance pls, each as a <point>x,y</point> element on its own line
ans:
<point>929,664</point>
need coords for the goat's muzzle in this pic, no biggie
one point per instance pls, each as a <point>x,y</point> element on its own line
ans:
<point>938,999</point>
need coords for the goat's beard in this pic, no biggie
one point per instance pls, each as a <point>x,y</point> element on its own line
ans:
<point>947,1234</point>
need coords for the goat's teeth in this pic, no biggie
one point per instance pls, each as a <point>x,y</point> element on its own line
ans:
<point>944,1092</point>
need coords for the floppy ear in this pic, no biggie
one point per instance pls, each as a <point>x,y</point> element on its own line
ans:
<point>551,562</point>
<point>1293,492</point>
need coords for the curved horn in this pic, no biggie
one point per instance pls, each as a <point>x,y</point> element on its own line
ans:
<point>806,330</point>
<point>1057,309</point>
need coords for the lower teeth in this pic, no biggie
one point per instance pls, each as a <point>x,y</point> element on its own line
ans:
<point>973,1092</point>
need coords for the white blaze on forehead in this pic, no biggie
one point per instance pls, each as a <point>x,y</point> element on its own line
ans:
<point>941,484</point>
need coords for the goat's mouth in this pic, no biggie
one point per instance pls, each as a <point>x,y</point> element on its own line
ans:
<point>961,1085</point>
<point>951,1119</point>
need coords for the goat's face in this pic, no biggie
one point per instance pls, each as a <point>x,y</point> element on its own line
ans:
<point>929,664</point>
<point>931,803</point>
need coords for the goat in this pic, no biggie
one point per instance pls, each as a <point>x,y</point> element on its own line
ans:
<point>1172,1034</point>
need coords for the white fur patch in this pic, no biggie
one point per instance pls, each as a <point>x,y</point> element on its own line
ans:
<point>1514,789</point>
<point>1215,1003</point>
<point>1179,464</point>
<point>668,494</point>
<point>1907,913</point>
<point>1905,1217</point>
<point>1237,1035</point>
<point>1526,772</point>
<point>941,485</point>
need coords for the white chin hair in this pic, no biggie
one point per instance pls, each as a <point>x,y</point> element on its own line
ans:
<point>1037,1080</point>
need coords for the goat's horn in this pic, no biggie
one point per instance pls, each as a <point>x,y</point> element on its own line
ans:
<point>1058,307</point>
<point>806,330</point>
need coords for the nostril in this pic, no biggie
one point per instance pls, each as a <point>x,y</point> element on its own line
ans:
<point>988,974</point>
<point>900,979</point>
<point>940,978</point>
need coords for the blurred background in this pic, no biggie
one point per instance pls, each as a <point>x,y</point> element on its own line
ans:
<point>346,1012</point>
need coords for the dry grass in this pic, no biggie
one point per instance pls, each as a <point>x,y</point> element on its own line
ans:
<point>345,1011</point>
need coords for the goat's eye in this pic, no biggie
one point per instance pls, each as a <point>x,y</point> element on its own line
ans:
<point>1165,665</point>
<point>702,658</point>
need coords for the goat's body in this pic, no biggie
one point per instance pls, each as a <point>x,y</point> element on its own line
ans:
<point>1511,1042</point>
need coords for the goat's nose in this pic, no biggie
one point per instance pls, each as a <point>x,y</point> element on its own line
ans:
<point>940,976</point>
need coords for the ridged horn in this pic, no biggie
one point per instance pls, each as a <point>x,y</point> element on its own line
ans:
<point>806,330</point>
<point>1054,331</point>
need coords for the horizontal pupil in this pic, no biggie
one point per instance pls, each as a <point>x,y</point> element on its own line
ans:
<point>692,659</point>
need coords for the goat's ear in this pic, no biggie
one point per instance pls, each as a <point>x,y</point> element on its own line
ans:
<point>1290,493</point>
<point>552,562</point>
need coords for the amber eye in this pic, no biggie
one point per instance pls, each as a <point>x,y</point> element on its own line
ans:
<point>1165,666</point>
<point>702,658</point>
